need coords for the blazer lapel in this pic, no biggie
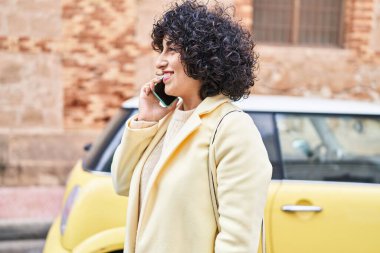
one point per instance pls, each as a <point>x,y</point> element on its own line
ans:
<point>133,200</point>
<point>191,125</point>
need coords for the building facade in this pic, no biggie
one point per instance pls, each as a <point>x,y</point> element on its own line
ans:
<point>67,65</point>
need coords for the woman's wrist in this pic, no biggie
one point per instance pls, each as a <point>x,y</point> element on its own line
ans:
<point>136,123</point>
<point>142,118</point>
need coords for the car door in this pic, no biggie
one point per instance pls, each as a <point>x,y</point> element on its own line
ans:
<point>329,200</point>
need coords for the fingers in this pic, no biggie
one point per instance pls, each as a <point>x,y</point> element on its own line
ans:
<point>173,105</point>
<point>149,86</point>
<point>146,89</point>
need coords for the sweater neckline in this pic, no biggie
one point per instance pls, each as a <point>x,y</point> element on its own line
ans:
<point>181,115</point>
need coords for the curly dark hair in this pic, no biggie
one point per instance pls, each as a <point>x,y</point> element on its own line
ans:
<point>214,49</point>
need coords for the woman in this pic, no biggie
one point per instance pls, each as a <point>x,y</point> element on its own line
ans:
<point>162,162</point>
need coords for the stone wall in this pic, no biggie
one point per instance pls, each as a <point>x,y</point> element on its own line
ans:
<point>35,147</point>
<point>30,92</point>
<point>40,158</point>
<point>30,70</point>
<point>66,65</point>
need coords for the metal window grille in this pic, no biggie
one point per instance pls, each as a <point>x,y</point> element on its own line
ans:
<point>300,22</point>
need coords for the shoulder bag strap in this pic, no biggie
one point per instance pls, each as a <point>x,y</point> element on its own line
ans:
<point>213,186</point>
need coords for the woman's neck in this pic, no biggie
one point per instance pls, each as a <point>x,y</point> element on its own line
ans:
<point>190,103</point>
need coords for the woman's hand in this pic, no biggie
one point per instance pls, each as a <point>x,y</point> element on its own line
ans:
<point>149,106</point>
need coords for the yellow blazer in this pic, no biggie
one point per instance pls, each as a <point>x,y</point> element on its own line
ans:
<point>176,214</point>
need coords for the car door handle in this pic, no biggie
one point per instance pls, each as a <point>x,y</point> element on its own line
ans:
<point>299,208</point>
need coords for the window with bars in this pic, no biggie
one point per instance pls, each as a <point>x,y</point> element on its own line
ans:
<point>299,22</point>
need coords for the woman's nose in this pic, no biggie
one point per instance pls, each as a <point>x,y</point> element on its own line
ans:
<point>161,62</point>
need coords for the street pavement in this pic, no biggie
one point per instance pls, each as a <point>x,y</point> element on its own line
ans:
<point>26,214</point>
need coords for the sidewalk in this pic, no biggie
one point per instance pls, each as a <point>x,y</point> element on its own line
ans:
<point>30,202</point>
<point>26,214</point>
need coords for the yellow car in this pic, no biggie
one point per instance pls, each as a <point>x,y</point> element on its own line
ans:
<point>323,198</point>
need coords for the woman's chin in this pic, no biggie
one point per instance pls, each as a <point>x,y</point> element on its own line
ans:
<point>169,92</point>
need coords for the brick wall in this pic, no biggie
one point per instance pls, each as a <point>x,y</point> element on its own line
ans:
<point>351,72</point>
<point>93,42</point>
<point>375,38</point>
<point>98,54</point>
<point>359,25</point>
<point>244,11</point>
<point>65,66</point>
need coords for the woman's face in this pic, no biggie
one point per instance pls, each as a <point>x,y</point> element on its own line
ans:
<point>177,83</point>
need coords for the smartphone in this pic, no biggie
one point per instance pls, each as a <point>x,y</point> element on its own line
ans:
<point>159,91</point>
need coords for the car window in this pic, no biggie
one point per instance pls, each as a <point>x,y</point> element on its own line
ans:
<point>265,125</point>
<point>330,147</point>
<point>100,155</point>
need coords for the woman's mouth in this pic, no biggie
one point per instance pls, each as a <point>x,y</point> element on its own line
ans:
<point>167,76</point>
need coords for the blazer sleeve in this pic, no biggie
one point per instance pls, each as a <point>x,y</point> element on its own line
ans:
<point>243,176</point>
<point>128,153</point>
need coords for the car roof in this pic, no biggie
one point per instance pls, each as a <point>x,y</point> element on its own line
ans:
<point>265,103</point>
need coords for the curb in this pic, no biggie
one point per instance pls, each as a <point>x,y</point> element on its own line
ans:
<point>24,229</point>
<point>22,246</point>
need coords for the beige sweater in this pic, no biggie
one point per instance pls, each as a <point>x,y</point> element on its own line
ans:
<point>178,120</point>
